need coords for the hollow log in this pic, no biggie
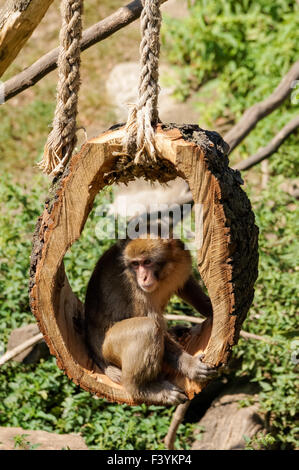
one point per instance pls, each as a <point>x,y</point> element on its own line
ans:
<point>227,257</point>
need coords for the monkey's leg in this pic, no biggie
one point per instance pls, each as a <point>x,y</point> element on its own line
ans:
<point>136,345</point>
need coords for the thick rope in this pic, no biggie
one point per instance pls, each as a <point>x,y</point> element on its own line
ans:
<point>143,117</point>
<point>62,139</point>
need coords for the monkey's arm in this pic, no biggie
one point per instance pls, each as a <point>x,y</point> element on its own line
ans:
<point>194,295</point>
<point>190,366</point>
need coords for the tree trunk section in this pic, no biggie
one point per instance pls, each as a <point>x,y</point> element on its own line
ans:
<point>18,20</point>
<point>227,255</point>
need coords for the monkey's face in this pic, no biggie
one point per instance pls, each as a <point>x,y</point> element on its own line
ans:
<point>157,263</point>
<point>146,260</point>
<point>145,269</point>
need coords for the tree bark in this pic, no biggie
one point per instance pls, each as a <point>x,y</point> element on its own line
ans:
<point>18,20</point>
<point>259,110</point>
<point>96,33</point>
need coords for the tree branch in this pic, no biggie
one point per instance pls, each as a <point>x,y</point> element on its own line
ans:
<point>18,20</point>
<point>20,348</point>
<point>35,339</point>
<point>169,316</point>
<point>191,319</point>
<point>259,110</point>
<point>271,148</point>
<point>176,420</point>
<point>96,33</point>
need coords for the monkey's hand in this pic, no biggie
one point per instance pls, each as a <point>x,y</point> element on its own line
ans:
<point>200,372</point>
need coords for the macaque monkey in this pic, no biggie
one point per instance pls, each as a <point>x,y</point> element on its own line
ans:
<point>125,331</point>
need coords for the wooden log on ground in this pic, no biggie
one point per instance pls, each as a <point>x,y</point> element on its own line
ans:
<point>226,423</point>
<point>16,438</point>
<point>18,20</point>
<point>227,258</point>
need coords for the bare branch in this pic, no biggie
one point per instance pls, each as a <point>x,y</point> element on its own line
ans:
<point>20,348</point>
<point>259,110</point>
<point>243,333</point>
<point>18,19</point>
<point>96,33</point>
<point>184,318</point>
<point>271,148</point>
<point>247,335</point>
<point>177,418</point>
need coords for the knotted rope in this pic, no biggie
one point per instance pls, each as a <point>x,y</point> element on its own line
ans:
<point>62,139</point>
<point>143,117</point>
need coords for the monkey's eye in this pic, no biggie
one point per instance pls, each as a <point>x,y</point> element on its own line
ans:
<point>147,262</point>
<point>135,264</point>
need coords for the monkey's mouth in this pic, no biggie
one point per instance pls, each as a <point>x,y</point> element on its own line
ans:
<point>149,287</point>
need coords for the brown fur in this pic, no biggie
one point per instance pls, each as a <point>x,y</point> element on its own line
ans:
<point>125,329</point>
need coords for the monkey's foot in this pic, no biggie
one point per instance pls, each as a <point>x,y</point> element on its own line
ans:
<point>114,373</point>
<point>164,393</point>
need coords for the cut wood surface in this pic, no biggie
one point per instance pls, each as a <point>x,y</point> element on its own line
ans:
<point>18,20</point>
<point>227,258</point>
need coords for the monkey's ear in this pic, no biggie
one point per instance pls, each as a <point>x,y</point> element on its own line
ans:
<point>174,242</point>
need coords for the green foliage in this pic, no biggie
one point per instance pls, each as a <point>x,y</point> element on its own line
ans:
<point>274,314</point>
<point>259,442</point>
<point>23,133</point>
<point>20,208</point>
<point>242,49</point>
<point>20,442</point>
<point>42,397</point>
